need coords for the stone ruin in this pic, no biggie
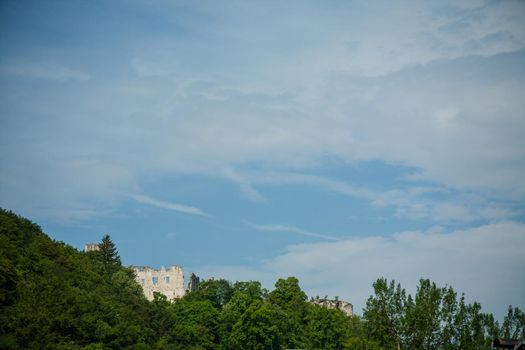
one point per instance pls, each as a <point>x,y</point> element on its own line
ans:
<point>168,281</point>
<point>193,284</point>
<point>344,306</point>
<point>91,247</point>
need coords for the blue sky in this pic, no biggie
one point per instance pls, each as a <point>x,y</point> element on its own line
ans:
<point>334,141</point>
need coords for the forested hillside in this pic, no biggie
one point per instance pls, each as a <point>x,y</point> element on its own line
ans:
<point>55,297</point>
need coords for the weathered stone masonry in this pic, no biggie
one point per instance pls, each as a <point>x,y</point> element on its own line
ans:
<point>168,281</point>
<point>91,247</point>
<point>346,307</point>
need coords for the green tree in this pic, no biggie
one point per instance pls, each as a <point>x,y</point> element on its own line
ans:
<point>514,324</point>
<point>435,319</point>
<point>384,313</point>
<point>421,320</point>
<point>244,294</point>
<point>358,339</point>
<point>196,323</point>
<point>469,323</point>
<point>252,289</point>
<point>288,294</point>
<point>289,297</point>
<point>326,328</point>
<point>449,306</point>
<point>260,327</point>
<point>109,251</point>
<point>218,292</point>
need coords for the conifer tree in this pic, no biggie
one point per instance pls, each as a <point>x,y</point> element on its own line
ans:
<point>109,251</point>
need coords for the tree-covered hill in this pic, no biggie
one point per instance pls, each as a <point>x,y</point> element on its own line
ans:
<point>55,297</point>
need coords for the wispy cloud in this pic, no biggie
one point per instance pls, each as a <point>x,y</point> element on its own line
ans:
<point>323,182</point>
<point>168,205</point>
<point>245,187</point>
<point>434,203</point>
<point>288,229</point>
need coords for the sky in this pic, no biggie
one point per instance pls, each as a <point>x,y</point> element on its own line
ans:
<point>334,141</point>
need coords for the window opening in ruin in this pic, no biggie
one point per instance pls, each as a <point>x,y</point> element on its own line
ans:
<point>155,279</point>
<point>167,279</point>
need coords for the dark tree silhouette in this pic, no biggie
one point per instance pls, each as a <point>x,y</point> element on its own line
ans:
<point>109,251</point>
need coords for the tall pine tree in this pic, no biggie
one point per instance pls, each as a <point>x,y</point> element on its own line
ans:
<point>109,251</point>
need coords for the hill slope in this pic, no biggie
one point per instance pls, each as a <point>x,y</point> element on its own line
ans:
<point>53,296</point>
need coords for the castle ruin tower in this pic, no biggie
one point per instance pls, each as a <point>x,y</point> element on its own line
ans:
<point>193,284</point>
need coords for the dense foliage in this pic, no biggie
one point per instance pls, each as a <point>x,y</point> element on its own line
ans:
<point>54,297</point>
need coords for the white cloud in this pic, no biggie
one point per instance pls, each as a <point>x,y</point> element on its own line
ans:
<point>168,205</point>
<point>483,262</point>
<point>289,229</point>
<point>465,149</point>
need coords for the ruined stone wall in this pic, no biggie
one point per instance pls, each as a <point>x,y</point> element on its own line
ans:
<point>346,307</point>
<point>168,281</point>
<point>193,284</point>
<point>91,247</point>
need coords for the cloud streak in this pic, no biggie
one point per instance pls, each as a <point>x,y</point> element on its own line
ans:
<point>169,205</point>
<point>289,229</point>
<point>245,187</point>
